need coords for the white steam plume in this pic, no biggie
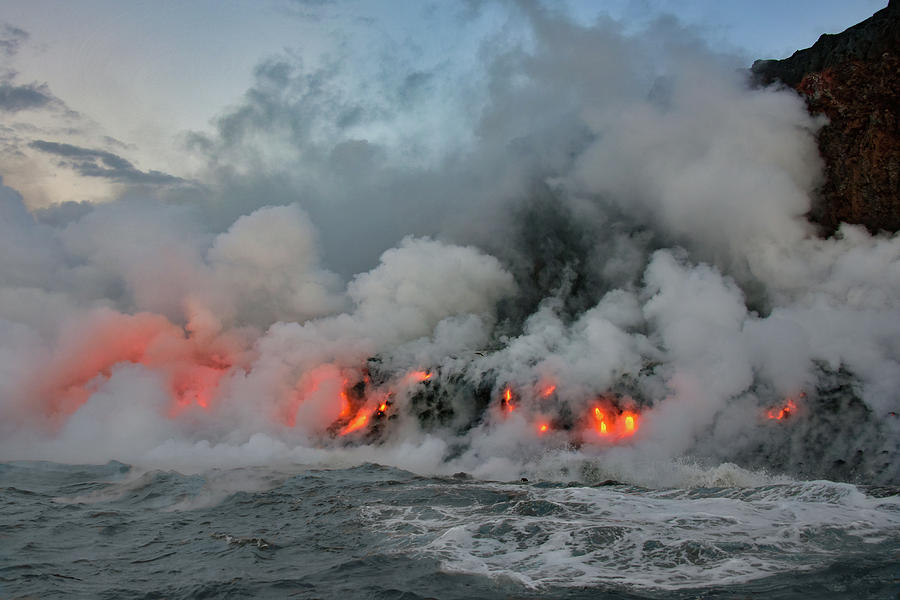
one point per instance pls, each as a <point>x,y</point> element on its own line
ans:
<point>621,236</point>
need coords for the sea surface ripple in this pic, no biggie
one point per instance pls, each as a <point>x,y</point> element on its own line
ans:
<point>115,531</point>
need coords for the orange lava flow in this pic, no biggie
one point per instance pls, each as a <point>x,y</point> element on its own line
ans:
<point>629,422</point>
<point>785,411</point>
<point>345,405</point>
<point>506,402</point>
<point>621,426</point>
<point>358,422</point>
<point>601,422</point>
<point>193,367</point>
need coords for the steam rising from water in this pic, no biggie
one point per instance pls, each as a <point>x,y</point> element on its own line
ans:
<point>623,222</point>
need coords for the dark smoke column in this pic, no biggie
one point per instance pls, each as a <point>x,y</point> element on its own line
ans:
<point>853,78</point>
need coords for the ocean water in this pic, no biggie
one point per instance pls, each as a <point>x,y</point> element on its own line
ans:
<point>117,531</point>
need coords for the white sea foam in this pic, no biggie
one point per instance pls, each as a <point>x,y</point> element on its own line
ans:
<point>577,536</point>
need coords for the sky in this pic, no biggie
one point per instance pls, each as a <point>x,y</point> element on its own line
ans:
<point>135,78</point>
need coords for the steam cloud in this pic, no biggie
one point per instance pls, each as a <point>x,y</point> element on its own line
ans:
<point>620,222</point>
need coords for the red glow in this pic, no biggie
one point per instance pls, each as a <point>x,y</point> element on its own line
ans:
<point>629,422</point>
<point>88,350</point>
<point>622,425</point>
<point>325,384</point>
<point>345,405</point>
<point>358,422</point>
<point>196,368</point>
<point>601,422</point>
<point>194,385</point>
<point>785,411</point>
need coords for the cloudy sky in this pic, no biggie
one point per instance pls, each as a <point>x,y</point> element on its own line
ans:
<point>100,97</point>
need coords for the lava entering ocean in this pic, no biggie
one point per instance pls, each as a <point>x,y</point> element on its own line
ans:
<point>193,368</point>
<point>360,403</point>
<point>604,260</point>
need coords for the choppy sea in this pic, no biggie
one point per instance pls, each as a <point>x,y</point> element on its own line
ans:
<point>116,531</point>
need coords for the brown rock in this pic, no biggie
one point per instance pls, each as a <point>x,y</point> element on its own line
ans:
<point>853,78</point>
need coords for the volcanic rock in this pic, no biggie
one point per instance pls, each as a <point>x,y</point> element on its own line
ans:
<point>852,78</point>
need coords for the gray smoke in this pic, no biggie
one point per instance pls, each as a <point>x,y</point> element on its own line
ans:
<point>616,223</point>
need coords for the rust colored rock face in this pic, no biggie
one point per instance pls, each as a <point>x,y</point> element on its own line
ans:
<point>853,78</point>
<point>861,143</point>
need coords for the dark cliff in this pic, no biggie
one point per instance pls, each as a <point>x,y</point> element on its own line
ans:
<point>852,78</point>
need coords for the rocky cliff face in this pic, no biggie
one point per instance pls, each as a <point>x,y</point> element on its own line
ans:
<point>853,78</point>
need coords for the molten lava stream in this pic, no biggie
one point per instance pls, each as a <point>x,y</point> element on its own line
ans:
<point>345,405</point>
<point>358,422</point>
<point>609,425</point>
<point>601,422</point>
<point>419,376</point>
<point>506,401</point>
<point>785,411</point>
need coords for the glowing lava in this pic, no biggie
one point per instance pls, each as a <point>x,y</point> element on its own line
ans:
<point>621,426</point>
<point>420,376</point>
<point>630,423</point>
<point>785,411</point>
<point>358,422</point>
<point>329,397</point>
<point>601,422</point>
<point>345,405</point>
